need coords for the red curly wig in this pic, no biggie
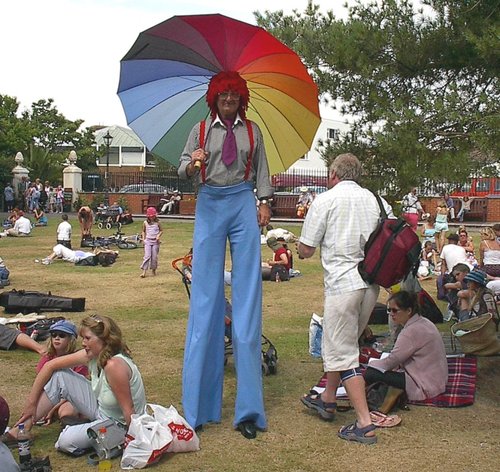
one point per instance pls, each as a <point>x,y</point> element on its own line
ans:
<point>224,82</point>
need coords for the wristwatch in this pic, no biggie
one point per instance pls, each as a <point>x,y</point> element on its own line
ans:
<point>265,200</point>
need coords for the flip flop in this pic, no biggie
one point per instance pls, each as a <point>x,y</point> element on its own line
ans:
<point>381,420</point>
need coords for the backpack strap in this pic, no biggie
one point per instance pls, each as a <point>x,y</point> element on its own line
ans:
<point>250,154</point>
<point>383,213</point>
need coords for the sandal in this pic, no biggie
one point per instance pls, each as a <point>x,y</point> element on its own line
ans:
<point>380,420</point>
<point>325,410</point>
<point>354,433</point>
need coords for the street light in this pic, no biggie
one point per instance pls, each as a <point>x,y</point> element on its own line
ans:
<point>107,141</point>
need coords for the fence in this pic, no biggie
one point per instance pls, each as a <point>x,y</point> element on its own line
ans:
<point>155,181</point>
<point>135,182</point>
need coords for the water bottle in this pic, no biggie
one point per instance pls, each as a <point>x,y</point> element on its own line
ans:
<point>23,445</point>
<point>278,277</point>
<point>104,462</point>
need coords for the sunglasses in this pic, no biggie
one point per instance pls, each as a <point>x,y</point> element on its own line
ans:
<point>58,334</point>
<point>393,310</point>
<point>96,318</point>
<point>225,95</point>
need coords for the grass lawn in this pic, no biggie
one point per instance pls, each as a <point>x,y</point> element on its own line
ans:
<point>152,313</point>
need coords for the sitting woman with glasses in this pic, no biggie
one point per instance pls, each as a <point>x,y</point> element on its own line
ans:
<point>417,364</point>
<point>115,390</point>
<point>62,341</point>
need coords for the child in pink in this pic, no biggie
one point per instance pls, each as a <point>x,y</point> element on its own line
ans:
<point>151,234</point>
<point>62,341</point>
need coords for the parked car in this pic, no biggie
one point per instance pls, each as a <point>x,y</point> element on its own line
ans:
<point>143,188</point>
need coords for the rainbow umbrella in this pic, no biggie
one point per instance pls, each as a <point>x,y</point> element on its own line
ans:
<point>165,75</point>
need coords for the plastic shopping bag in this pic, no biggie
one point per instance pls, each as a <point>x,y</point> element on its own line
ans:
<point>146,441</point>
<point>184,437</point>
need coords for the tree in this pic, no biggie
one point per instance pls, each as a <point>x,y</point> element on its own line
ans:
<point>44,136</point>
<point>421,86</point>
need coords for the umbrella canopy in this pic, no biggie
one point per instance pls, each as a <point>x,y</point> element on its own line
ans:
<point>164,78</point>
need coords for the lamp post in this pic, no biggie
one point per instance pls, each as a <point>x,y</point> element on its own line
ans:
<point>107,141</point>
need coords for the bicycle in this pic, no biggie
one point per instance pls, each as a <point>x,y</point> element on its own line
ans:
<point>118,239</point>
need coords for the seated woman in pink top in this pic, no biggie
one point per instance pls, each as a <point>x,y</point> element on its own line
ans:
<point>417,364</point>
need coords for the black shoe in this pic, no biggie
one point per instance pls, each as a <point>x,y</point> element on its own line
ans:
<point>198,429</point>
<point>247,429</point>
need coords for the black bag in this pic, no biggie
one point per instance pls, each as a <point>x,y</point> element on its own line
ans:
<point>107,258</point>
<point>428,308</point>
<point>87,261</point>
<point>379,314</point>
<point>375,395</point>
<point>281,272</point>
<point>40,328</point>
<point>391,252</point>
<point>22,301</point>
<point>87,241</point>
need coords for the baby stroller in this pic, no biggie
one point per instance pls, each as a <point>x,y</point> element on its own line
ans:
<point>269,357</point>
<point>106,217</point>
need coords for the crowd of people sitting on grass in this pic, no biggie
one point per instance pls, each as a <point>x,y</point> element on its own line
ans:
<point>83,387</point>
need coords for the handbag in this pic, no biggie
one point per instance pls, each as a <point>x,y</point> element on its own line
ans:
<point>111,445</point>
<point>477,335</point>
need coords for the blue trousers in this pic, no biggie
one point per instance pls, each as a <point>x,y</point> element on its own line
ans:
<point>224,213</point>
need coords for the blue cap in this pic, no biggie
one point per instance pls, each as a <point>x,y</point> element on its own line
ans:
<point>64,326</point>
<point>477,276</point>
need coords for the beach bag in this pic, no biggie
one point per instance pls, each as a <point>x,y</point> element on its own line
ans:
<point>184,438</point>
<point>477,335</point>
<point>145,442</point>
<point>391,252</point>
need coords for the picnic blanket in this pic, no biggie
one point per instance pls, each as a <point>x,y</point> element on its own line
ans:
<point>461,385</point>
<point>460,388</point>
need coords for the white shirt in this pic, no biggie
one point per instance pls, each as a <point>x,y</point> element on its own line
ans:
<point>64,231</point>
<point>340,221</point>
<point>23,225</point>
<point>453,254</point>
<point>411,204</point>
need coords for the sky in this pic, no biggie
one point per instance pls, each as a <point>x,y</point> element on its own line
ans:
<point>70,50</point>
